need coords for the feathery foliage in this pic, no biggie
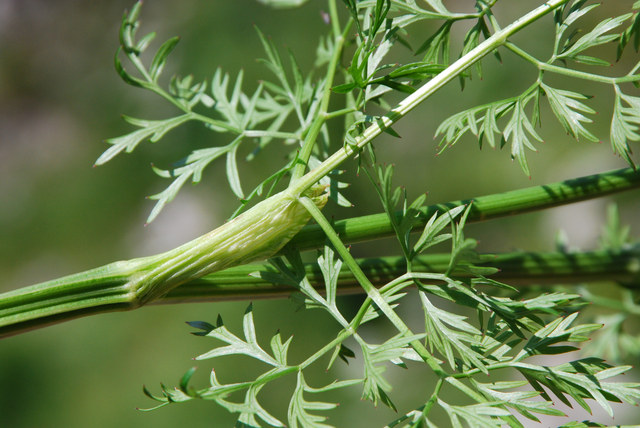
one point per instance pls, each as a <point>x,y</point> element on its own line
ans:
<point>507,331</point>
<point>480,338</point>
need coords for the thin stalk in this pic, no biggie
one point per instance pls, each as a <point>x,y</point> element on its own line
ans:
<point>334,18</point>
<point>545,66</point>
<point>372,292</point>
<point>341,112</point>
<point>433,398</point>
<point>421,94</point>
<point>321,116</point>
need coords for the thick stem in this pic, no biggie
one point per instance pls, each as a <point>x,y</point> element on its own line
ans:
<point>108,289</point>
<point>484,207</point>
<point>517,269</point>
<point>255,235</point>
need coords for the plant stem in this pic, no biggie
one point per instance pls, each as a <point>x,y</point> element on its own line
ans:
<point>421,94</point>
<point>517,268</point>
<point>321,116</point>
<point>372,293</point>
<point>133,283</point>
<point>106,288</point>
<point>545,66</point>
<point>483,207</point>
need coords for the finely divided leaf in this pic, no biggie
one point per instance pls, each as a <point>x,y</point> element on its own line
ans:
<point>449,333</point>
<point>580,380</point>
<point>160,59</point>
<point>595,37</point>
<point>299,414</point>
<point>519,129</point>
<point>249,346</point>
<point>624,124</point>
<point>152,130</point>
<point>568,109</point>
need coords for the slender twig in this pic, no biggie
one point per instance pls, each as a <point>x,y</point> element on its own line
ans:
<point>545,66</point>
<point>372,293</point>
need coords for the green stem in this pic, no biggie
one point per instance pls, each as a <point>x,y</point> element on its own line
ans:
<point>321,116</point>
<point>130,284</point>
<point>341,112</point>
<point>421,94</point>
<point>334,18</point>
<point>99,290</point>
<point>434,397</point>
<point>569,72</point>
<point>372,292</point>
<point>517,268</point>
<point>484,207</point>
<point>105,289</point>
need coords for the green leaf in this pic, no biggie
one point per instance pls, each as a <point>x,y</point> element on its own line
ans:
<point>232,172</point>
<point>519,400</point>
<point>299,408</point>
<point>631,33</point>
<point>280,349</point>
<point>557,331</point>
<point>375,386</point>
<point>518,130</point>
<point>436,47</point>
<point>343,353</point>
<point>283,4</point>
<point>129,26</point>
<point>124,75</point>
<point>486,415</point>
<point>184,382</point>
<point>431,233</point>
<point>344,88</point>
<point>471,41</point>
<point>251,410</point>
<point>144,42</point>
<point>568,110</point>
<point>417,70</point>
<point>449,333</point>
<point>330,268</point>
<point>152,130</point>
<point>249,346</point>
<point>614,235</point>
<point>583,424</point>
<point>624,124</point>
<point>160,58</point>
<point>193,166</point>
<point>595,37</point>
<point>582,379</point>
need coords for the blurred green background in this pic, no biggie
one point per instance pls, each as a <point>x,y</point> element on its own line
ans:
<point>60,98</point>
